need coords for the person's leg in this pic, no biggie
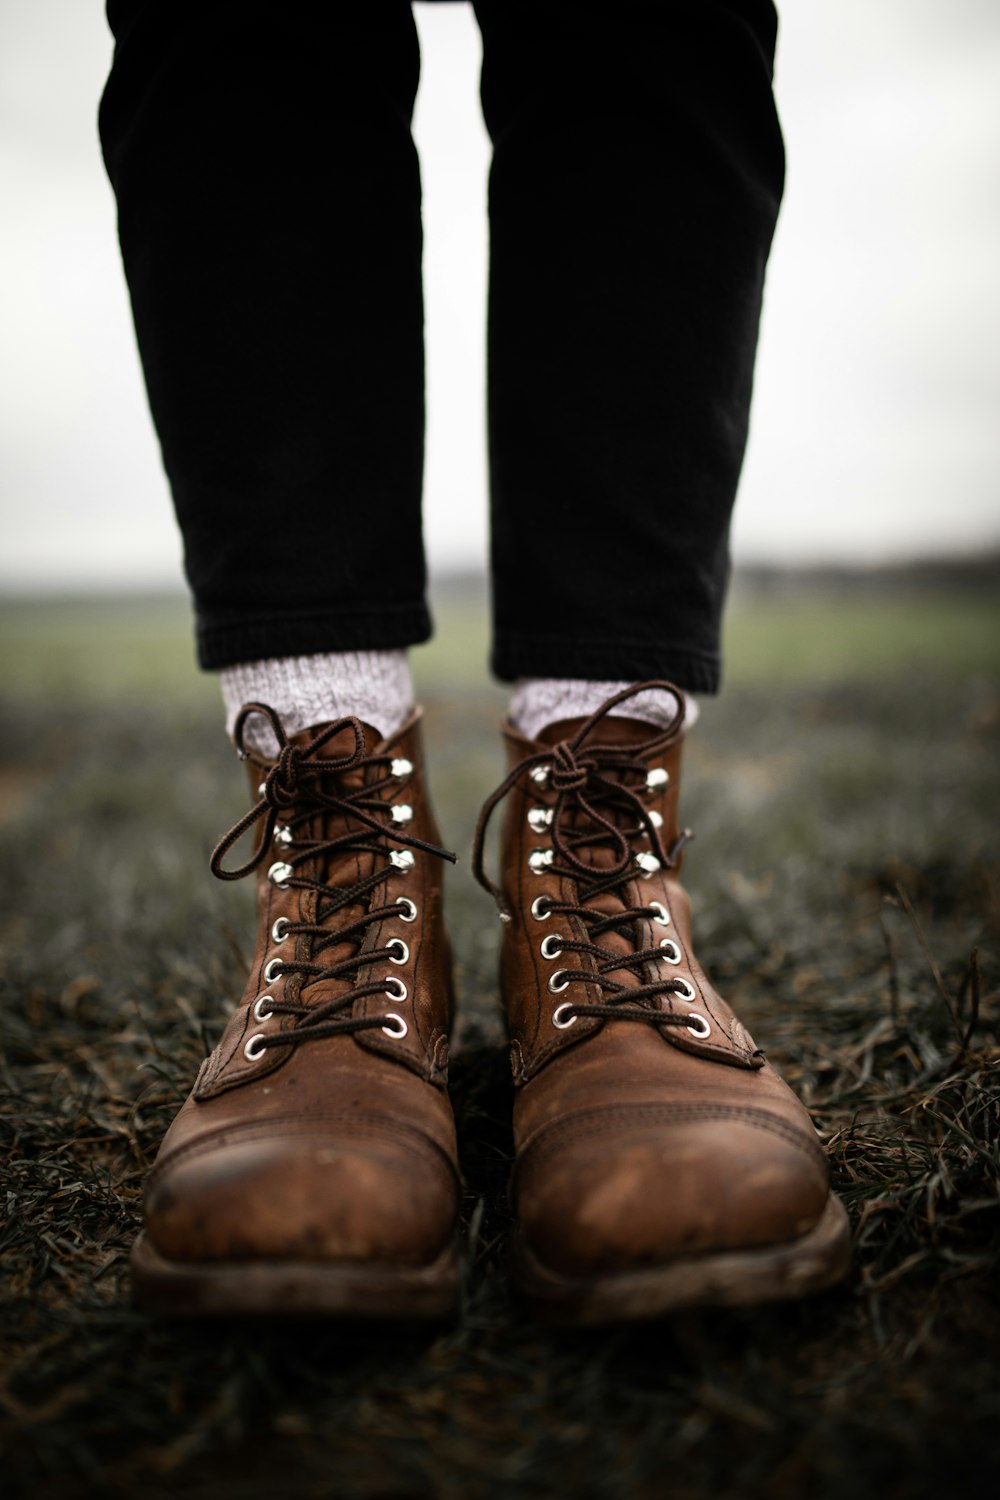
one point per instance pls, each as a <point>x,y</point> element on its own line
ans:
<point>269,206</point>
<point>637,172</point>
<point>269,215</point>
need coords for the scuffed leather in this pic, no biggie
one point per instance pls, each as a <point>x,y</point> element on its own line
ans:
<point>341,1146</point>
<point>637,1144</point>
<point>525,973</point>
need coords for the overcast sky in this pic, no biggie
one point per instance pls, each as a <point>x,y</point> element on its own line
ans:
<point>876,424</point>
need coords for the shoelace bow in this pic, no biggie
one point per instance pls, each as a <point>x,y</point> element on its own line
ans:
<point>299,785</point>
<point>596,807</point>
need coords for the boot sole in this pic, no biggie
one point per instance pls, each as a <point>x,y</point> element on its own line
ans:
<point>730,1278</point>
<point>193,1289</point>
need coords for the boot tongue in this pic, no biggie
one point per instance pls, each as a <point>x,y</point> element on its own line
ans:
<point>621,733</point>
<point>625,733</point>
<point>342,868</point>
<point>614,729</point>
<point>336,748</point>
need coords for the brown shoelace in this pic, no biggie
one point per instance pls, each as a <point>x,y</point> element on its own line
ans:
<point>599,804</point>
<point>300,784</point>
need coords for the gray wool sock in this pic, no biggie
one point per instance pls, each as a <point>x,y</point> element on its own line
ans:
<point>374,686</point>
<point>538,701</point>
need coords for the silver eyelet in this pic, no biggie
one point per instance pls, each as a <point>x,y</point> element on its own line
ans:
<point>402,859</point>
<point>399,1030</point>
<point>702,1029</point>
<point>547,950</point>
<point>279,931</point>
<point>261,788</point>
<point>559,1012</point>
<point>401,767</point>
<point>252,1052</point>
<point>280,874</point>
<point>402,814</point>
<point>404,949</point>
<point>658,776</point>
<point>410,915</point>
<point>553,986</point>
<point>671,952</point>
<point>662,915</point>
<point>688,992</point>
<point>282,834</point>
<point>648,865</point>
<point>539,775</point>
<point>398,991</point>
<point>654,817</point>
<point>270,976</point>
<point>540,818</point>
<point>539,860</point>
<point>537,911</point>
<point>262,1015</point>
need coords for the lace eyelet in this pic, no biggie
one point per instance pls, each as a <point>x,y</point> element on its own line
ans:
<point>404,950</point>
<point>398,991</point>
<point>282,834</point>
<point>410,915</point>
<point>262,1015</point>
<point>657,777</point>
<point>399,1030</point>
<point>540,818</point>
<point>546,948</point>
<point>402,814</point>
<point>540,775</point>
<point>271,976</point>
<point>671,952</point>
<point>559,1012</point>
<point>539,861</point>
<point>553,986</point>
<point>280,874</point>
<point>648,865</point>
<point>402,859</point>
<point>253,1053</point>
<point>261,788</point>
<point>279,931</point>
<point>654,817</point>
<point>401,768</point>
<point>702,1029</point>
<point>537,911</point>
<point>688,993</point>
<point>662,915</point>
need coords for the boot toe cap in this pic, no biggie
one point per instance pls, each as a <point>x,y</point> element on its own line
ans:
<point>623,1198</point>
<point>302,1198</point>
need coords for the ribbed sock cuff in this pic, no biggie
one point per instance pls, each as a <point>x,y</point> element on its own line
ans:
<point>374,686</point>
<point>538,701</point>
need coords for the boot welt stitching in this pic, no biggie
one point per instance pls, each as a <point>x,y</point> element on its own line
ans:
<point>416,1145</point>
<point>589,1123</point>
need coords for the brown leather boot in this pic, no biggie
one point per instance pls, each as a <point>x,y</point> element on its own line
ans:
<point>660,1161</point>
<point>313,1167</point>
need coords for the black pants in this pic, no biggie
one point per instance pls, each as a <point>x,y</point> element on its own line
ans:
<point>269,209</point>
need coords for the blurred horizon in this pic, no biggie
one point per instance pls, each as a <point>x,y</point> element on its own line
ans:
<point>969,573</point>
<point>874,434</point>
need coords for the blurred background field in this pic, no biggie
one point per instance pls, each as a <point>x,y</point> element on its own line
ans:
<point>782,627</point>
<point>844,795</point>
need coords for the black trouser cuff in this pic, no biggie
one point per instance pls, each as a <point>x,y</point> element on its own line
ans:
<point>613,661</point>
<point>227,641</point>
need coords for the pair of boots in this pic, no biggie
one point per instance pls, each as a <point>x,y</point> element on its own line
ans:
<point>660,1161</point>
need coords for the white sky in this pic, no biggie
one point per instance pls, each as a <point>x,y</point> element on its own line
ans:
<point>876,425</point>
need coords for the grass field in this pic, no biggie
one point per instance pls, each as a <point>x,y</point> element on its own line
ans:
<point>844,793</point>
<point>102,650</point>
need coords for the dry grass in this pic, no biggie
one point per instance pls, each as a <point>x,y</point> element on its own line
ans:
<point>846,876</point>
